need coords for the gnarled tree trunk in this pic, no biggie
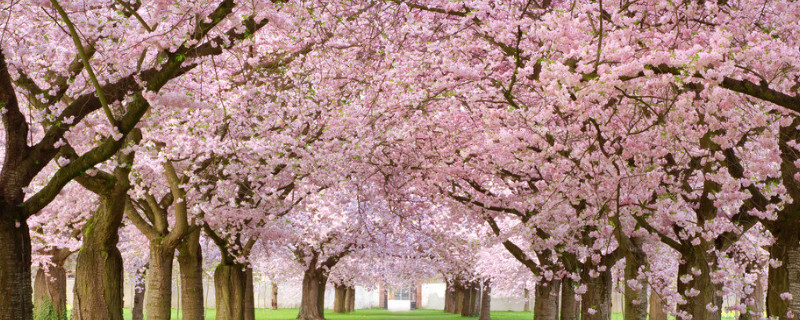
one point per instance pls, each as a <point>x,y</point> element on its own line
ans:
<point>313,301</point>
<point>99,272</point>
<point>50,291</point>
<point>570,307</point>
<point>190,260</point>
<point>230,286</point>
<point>351,299</point>
<point>545,301</point>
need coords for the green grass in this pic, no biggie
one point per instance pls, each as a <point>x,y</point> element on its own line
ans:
<point>367,314</point>
<point>379,314</point>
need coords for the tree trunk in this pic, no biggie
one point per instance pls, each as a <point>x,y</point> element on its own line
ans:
<point>635,299</point>
<point>450,298</point>
<point>190,260</point>
<point>159,282</point>
<point>15,267</point>
<point>339,298</point>
<point>527,305</point>
<point>570,308</point>
<point>697,260</point>
<point>350,306</point>
<point>596,302</point>
<point>50,292</point>
<point>313,301</point>
<point>758,295</point>
<point>229,285</point>
<point>656,307</point>
<point>545,301</point>
<point>486,301</point>
<point>137,312</point>
<point>274,296</point>
<point>459,298</point>
<point>476,304</point>
<point>98,272</point>
<point>786,277</point>
<point>249,295</point>
<point>467,300</point>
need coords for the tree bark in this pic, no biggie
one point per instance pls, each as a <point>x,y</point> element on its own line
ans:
<point>450,298</point>
<point>635,299</point>
<point>786,277</point>
<point>697,259</point>
<point>190,260</point>
<point>486,301</point>
<point>339,299</point>
<point>229,285</point>
<point>350,299</point>
<point>313,301</point>
<point>159,281</point>
<point>50,292</point>
<point>570,308</point>
<point>274,296</point>
<point>459,298</point>
<point>15,267</point>
<point>137,312</point>
<point>656,307</point>
<point>527,305</point>
<point>469,300</point>
<point>545,301</point>
<point>596,302</point>
<point>249,295</point>
<point>98,272</point>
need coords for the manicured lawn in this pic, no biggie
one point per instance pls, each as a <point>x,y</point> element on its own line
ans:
<point>379,314</point>
<point>367,314</point>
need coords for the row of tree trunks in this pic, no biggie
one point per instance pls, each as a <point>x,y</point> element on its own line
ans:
<point>468,298</point>
<point>344,299</point>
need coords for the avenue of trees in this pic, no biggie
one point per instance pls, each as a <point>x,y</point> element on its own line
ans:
<point>565,149</point>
